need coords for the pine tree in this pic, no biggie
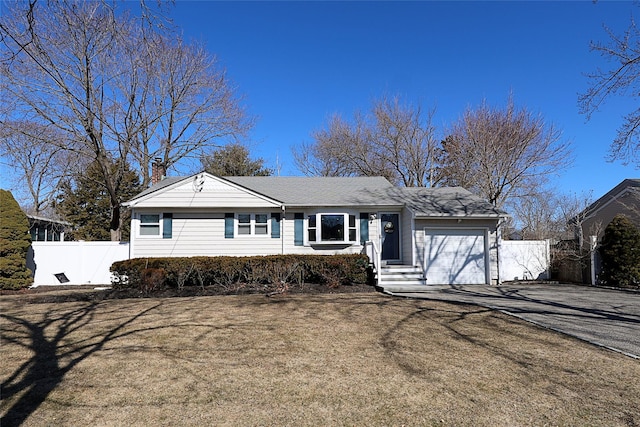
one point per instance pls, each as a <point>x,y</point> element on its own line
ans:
<point>234,160</point>
<point>85,203</point>
<point>14,244</point>
<point>620,253</point>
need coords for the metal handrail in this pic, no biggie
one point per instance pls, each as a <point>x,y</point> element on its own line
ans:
<point>372,251</point>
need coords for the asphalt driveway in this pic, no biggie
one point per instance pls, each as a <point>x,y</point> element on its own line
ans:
<point>608,318</point>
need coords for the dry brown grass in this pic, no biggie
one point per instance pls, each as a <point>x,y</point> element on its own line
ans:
<point>351,359</point>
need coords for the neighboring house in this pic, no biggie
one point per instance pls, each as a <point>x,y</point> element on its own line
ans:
<point>624,198</point>
<point>46,229</point>
<point>576,260</point>
<point>447,235</point>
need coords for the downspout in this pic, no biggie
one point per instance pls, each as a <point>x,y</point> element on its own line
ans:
<point>132,231</point>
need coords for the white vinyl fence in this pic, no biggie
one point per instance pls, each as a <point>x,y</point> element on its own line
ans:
<point>74,263</point>
<point>524,260</point>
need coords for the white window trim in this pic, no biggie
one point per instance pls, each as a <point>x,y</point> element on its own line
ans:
<point>318,229</point>
<point>139,235</point>
<point>252,225</point>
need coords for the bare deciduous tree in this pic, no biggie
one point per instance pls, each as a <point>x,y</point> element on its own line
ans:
<point>538,217</point>
<point>38,165</point>
<point>187,106</point>
<point>116,86</point>
<point>394,140</point>
<point>503,154</point>
<point>622,78</point>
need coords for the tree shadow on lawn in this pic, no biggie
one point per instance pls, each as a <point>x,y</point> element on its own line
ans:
<point>53,356</point>
<point>534,305</point>
<point>55,351</point>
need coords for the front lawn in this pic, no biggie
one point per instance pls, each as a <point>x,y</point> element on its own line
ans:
<point>335,359</point>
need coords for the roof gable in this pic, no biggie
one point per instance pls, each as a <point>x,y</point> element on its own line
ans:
<point>200,190</point>
<point>616,192</point>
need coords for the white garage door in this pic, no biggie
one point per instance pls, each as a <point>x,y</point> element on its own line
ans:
<point>455,256</point>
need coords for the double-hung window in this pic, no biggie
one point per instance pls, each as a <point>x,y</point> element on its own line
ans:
<point>253,224</point>
<point>261,224</point>
<point>150,225</point>
<point>244,224</point>
<point>331,228</point>
<point>156,225</point>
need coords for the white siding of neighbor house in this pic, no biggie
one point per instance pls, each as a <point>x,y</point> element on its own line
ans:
<point>490,225</point>
<point>212,192</point>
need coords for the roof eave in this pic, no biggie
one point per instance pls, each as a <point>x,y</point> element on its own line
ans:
<point>458,216</point>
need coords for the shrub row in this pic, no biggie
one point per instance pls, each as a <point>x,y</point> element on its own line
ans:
<point>269,274</point>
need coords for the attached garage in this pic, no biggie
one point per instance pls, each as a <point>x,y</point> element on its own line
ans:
<point>456,256</point>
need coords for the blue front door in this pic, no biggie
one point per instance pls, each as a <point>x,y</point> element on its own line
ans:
<point>390,230</point>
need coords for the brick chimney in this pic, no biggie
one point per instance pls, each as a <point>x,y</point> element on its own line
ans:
<point>157,170</point>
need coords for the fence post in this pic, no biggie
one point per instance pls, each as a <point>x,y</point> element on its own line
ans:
<point>592,256</point>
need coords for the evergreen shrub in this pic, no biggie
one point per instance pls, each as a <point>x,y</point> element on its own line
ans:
<point>620,254</point>
<point>14,244</point>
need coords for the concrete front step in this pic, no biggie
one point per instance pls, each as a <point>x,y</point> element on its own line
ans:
<point>401,277</point>
<point>392,288</point>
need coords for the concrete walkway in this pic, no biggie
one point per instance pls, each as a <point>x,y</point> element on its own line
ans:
<point>608,318</point>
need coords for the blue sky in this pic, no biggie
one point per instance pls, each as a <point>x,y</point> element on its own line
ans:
<point>296,63</point>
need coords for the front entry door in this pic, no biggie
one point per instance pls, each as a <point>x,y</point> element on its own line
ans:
<point>390,230</point>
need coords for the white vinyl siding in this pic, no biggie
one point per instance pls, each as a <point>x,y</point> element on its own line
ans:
<point>213,192</point>
<point>203,234</point>
<point>406,239</point>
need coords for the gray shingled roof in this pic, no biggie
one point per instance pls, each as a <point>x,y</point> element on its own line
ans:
<point>369,191</point>
<point>448,201</point>
<point>320,191</point>
<point>357,191</point>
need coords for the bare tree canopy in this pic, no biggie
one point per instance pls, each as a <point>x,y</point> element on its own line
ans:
<point>502,154</point>
<point>622,78</point>
<point>38,165</point>
<point>394,140</point>
<point>116,87</point>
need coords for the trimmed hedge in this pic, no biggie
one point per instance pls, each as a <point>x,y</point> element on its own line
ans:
<point>269,274</point>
